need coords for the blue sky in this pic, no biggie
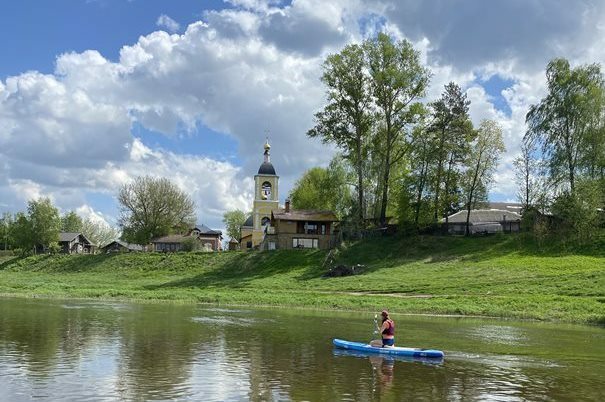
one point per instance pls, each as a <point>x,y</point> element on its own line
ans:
<point>95,92</point>
<point>41,30</point>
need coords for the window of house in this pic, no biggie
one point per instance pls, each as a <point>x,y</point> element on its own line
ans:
<point>271,245</point>
<point>305,243</point>
<point>310,228</point>
<point>265,221</point>
<point>248,244</point>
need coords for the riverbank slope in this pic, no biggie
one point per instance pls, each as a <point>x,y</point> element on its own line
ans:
<point>505,276</point>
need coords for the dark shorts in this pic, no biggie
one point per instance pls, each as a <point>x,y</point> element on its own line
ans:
<point>388,342</point>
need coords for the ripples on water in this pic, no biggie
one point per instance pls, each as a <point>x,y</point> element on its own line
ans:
<point>118,351</point>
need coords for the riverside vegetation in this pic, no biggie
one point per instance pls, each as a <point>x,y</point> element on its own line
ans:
<point>505,276</point>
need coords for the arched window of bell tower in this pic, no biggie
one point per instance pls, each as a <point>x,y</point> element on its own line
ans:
<point>265,191</point>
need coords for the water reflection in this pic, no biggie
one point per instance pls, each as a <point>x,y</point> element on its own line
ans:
<point>113,351</point>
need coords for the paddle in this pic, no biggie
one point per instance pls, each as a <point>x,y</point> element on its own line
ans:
<point>374,342</point>
<point>375,324</point>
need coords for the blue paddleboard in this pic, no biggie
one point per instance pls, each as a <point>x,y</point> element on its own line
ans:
<point>396,350</point>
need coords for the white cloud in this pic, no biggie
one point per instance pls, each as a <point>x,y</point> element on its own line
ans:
<point>165,21</point>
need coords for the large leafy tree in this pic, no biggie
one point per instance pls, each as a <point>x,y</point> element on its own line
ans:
<point>323,189</point>
<point>346,119</point>
<point>233,221</point>
<point>451,131</point>
<point>481,162</point>
<point>39,227</point>
<point>71,222</point>
<point>99,232</point>
<point>45,222</point>
<point>567,121</point>
<point>397,80</point>
<point>422,156</point>
<point>152,207</point>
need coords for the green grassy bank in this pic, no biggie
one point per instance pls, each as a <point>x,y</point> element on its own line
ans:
<point>506,276</point>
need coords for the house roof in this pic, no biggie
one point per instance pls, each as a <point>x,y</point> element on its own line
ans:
<point>484,215</point>
<point>206,230</point>
<point>506,206</point>
<point>69,236</point>
<point>249,222</point>
<point>130,246</point>
<point>304,215</point>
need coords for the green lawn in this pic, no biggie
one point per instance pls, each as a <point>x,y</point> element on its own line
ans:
<point>503,276</point>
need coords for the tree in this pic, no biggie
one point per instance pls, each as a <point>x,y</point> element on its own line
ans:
<point>152,207</point>
<point>71,222</point>
<point>452,131</point>
<point>99,233</point>
<point>481,163</point>
<point>529,178</point>
<point>22,233</point>
<point>234,220</point>
<point>323,189</point>
<point>397,80</point>
<point>578,213</point>
<point>346,119</point>
<point>45,222</point>
<point>6,226</point>
<point>566,122</point>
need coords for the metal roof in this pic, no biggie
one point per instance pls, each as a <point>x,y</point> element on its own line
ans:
<point>203,229</point>
<point>130,246</point>
<point>69,236</point>
<point>484,215</point>
<point>266,168</point>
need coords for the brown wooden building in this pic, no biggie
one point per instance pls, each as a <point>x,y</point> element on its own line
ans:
<point>300,228</point>
<point>119,246</point>
<point>208,239</point>
<point>75,243</point>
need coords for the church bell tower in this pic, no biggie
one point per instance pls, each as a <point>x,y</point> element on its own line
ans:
<point>266,195</point>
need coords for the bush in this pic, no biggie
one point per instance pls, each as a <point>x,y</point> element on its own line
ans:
<point>54,248</point>
<point>191,244</point>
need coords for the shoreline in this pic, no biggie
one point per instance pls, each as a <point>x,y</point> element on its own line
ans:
<point>301,307</point>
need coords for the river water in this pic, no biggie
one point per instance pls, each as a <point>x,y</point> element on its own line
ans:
<point>97,351</point>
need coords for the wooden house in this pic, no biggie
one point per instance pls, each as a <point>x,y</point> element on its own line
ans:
<point>75,243</point>
<point>300,228</point>
<point>208,240</point>
<point>119,246</point>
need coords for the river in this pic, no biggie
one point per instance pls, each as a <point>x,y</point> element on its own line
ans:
<point>107,351</point>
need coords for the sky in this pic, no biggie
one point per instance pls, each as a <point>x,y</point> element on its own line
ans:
<point>96,92</point>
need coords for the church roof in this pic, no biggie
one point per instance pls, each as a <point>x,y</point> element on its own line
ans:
<point>266,168</point>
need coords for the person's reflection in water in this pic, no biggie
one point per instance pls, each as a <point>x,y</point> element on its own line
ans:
<point>383,370</point>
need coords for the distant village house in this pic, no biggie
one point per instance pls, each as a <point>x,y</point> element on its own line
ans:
<point>207,239</point>
<point>119,246</point>
<point>496,218</point>
<point>75,243</point>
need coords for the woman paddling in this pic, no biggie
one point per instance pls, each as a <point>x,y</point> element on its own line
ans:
<point>387,330</point>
